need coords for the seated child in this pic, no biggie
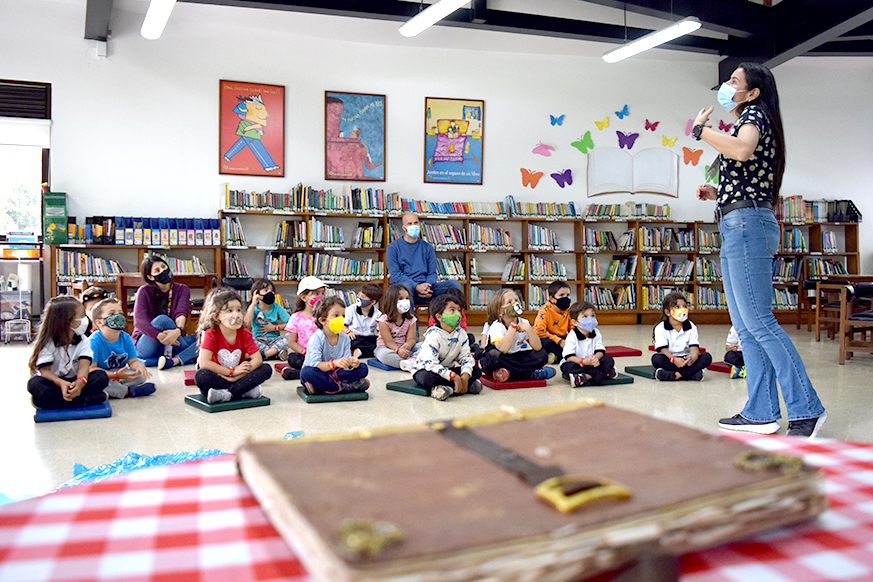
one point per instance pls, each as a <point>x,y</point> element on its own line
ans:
<point>553,322</point>
<point>514,351</point>
<point>734,354</point>
<point>91,297</point>
<point>677,348</point>
<point>330,367</point>
<point>445,364</point>
<point>459,298</point>
<point>230,362</point>
<point>62,357</point>
<point>115,353</point>
<point>301,325</point>
<point>398,327</point>
<point>361,319</point>
<point>585,359</point>
<point>267,319</point>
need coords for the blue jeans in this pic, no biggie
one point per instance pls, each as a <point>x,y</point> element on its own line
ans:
<point>149,350</point>
<point>438,288</point>
<point>750,238</point>
<point>256,147</point>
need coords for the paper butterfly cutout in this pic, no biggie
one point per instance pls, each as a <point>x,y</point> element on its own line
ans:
<point>584,143</point>
<point>626,140</point>
<point>653,125</point>
<point>565,177</point>
<point>601,124</point>
<point>713,179</point>
<point>668,141</point>
<point>691,156</point>
<point>689,127</point>
<point>543,149</point>
<point>529,177</point>
<point>557,120</point>
<point>623,112</point>
<point>724,126</point>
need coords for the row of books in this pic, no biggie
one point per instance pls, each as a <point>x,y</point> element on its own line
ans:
<point>624,269</point>
<point>541,209</point>
<point>543,270</point>
<point>785,270</point>
<point>620,298</point>
<point>368,236</point>
<point>460,208</point>
<point>450,269</point>
<point>144,231</point>
<point>710,242</point>
<point>474,270</point>
<point>536,297</point>
<point>708,298</point>
<point>708,270</point>
<point>592,270</point>
<point>654,239</point>
<point>330,268</point>
<point>349,296</point>
<point>783,299</point>
<point>233,232</point>
<point>303,198</point>
<point>627,211</point>
<point>685,238</point>
<point>192,266</point>
<point>820,267</point>
<point>653,295</point>
<point>233,266</point>
<point>514,270</point>
<point>663,269</point>
<point>483,238</point>
<point>73,265</point>
<point>325,236</point>
<point>795,209</point>
<point>793,241</point>
<point>445,236</point>
<point>598,240</point>
<point>829,241</point>
<point>479,298</point>
<point>540,238</point>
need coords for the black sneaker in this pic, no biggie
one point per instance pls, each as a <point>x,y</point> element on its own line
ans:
<point>806,428</point>
<point>664,375</point>
<point>290,373</point>
<point>697,376</point>
<point>356,386</point>
<point>740,423</point>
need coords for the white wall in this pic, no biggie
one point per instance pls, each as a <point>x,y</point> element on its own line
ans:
<point>136,133</point>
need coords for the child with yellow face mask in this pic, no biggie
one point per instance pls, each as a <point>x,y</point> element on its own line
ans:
<point>677,345</point>
<point>329,367</point>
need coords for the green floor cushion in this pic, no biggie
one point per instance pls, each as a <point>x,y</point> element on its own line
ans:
<point>339,397</point>
<point>199,401</point>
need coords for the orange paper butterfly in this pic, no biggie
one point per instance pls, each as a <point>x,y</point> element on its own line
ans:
<point>691,156</point>
<point>532,178</point>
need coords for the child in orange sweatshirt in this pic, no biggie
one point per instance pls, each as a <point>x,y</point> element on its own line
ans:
<point>553,320</point>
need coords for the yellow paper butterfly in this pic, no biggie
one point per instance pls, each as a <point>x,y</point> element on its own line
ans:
<point>668,141</point>
<point>604,123</point>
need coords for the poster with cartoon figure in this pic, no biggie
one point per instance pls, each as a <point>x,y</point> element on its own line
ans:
<point>251,128</point>
<point>354,136</point>
<point>453,140</point>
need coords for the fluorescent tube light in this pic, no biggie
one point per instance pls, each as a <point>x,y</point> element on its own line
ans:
<point>430,16</point>
<point>651,40</point>
<point>156,18</point>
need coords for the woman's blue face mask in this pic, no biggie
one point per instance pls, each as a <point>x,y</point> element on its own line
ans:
<point>726,96</point>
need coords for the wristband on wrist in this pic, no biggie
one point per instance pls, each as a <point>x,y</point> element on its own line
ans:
<point>452,376</point>
<point>514,325</point>
<point>115,375</point>
<point>231,370</point>
<point>332,365</point>
<point>672,359</point>
<point>84,380</point>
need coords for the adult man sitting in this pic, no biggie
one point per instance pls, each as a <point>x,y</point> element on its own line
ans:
<point>412,262</point>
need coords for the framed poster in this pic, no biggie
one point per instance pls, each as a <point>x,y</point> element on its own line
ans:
<point>453,140</point>
<point>354,136</point>
<point>251,129</point>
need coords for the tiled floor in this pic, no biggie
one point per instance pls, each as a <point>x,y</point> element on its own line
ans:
<point>39,457</point>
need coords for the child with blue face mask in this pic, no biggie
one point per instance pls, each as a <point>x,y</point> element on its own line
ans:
<point>585,362</point>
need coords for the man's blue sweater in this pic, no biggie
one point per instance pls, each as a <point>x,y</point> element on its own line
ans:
<point>411,263</point>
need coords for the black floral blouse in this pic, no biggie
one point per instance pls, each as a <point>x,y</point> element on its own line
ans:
<point>752,179</point>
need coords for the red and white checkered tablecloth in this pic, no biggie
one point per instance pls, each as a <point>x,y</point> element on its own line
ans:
<point>199,522</point>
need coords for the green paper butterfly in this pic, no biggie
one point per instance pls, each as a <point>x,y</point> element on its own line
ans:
<point>584,144</point>
<point>714,178</point>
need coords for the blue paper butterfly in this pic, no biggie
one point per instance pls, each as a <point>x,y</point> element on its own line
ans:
<point>626,140</point>
<point>557,120</point>
<point>563,178</point>
<point>623,113</point>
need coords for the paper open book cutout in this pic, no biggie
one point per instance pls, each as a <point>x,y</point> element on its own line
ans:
<point>652,171</point>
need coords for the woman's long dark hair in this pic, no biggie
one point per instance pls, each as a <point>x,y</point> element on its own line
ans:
<point>159,299</point>
<point>761,78</point>
<point>55,326</point>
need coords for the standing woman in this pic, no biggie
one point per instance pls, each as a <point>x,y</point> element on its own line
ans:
<point>750,169</point>
<point>160,311</point>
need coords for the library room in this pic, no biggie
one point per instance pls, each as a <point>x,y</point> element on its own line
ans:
<point>244,246</point>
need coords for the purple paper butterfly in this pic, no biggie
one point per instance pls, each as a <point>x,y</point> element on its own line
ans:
<point>563,178</point>
<point>626,140</point>
<point>689,126</point>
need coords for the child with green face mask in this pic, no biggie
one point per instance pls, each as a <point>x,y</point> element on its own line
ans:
<point>329,367</point>
<point>445,364</point>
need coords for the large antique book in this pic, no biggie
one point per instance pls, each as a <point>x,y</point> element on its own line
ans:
<point>551,494</point>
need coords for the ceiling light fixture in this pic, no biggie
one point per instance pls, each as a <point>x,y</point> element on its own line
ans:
<point>653,39</point>
<point>430,16</point>
<point>156,18</point>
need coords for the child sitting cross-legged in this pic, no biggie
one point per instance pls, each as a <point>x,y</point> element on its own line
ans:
<point>677,346</point>
<point>514,351</point>
<point>445,364</point>
<point>329,367</point>
<point>396,345</point>
<point>585,359</point>
<point>361,319</point>
<point>552,323</point>
<point>267,318</point>
<point>115,353</point>
<point>734,354</point>
<point>230,363</point>
<point>301,325</point>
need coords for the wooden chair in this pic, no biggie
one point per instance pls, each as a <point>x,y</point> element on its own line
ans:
<point>853,323</point>
<point>827,302</point>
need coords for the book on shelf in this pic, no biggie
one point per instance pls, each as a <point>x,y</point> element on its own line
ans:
<point>709,242</point>
<point>367,235</point>
<point>444,236</point>
<point>349,296</point>
<point>143,231</point>
<point>829,241</point>
<point>626,211</point>
<point>474,270</point>
<point>708,271</point>
<point>783,299</point>
<point>536,297</point>
<point>613,170</point>
<point>622,298</point>
<point>540,238</point>
<point>624,269</point>
<point>73,265</point>
<point>479,298</point>
<point>786,270</point>
<point>325,236</point>
<point>450,269</point>
<point>233,232</point>
<point>592,269</point>
<point>821,267</point>
<point>653,239</point>
<point>628,241</point>
<point>184,266</point>
<point>233,266</point>
<point>710,299</point>
<point>599,240</point>
<point>513,270</point>
<point>794,241</point>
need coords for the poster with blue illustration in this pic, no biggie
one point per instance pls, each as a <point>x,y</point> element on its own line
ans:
<point>453,140</point>
<point>354,136</point>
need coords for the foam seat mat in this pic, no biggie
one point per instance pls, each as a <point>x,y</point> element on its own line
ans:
<point>188,376</point>
<point>409,386</point>
<point>377,364</point>
<point>702,349</point>
<point>619,378</point>
<point>340,397</point>
<point>102,410</point>
<point>720,367</point>
<point>620,351</point>
<point>495,385</point>
<point>644,371</point>
<point>199,401</point>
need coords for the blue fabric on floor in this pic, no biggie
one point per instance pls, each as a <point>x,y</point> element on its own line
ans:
<point>132,462</point>
<point>377,364</point>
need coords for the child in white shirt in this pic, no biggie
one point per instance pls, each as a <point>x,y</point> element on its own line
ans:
<point>677,345</point>
<point>734,354</point>
<point>514,350</point>
<point>361,319</point>
<point>585,360</point>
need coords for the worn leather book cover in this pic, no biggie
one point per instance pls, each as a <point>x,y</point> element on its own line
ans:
<point>462,500</point>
